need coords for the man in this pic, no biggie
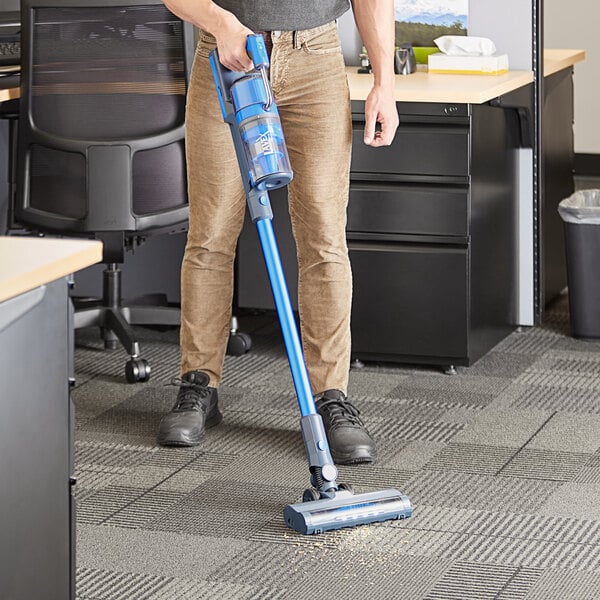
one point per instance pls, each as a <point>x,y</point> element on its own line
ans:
<point>311,90</point>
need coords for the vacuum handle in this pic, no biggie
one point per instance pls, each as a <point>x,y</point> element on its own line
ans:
<point>257,51</point>
<point>224,78</point>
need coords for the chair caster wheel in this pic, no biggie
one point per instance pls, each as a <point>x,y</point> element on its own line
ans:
<point>239,343</point>
<point>137,369</point>
<point>310,494</point>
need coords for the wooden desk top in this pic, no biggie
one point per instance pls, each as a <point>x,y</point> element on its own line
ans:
<point>28,262</point>
<point>424,87</point>
<point>469,89</point>
<point>556,60</point>
<point>9,94</point>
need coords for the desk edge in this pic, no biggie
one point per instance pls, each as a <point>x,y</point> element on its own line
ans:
<point>83,257</point>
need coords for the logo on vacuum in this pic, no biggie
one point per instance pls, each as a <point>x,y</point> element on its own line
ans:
<point>266,142</point>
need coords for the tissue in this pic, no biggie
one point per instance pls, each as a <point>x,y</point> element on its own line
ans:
<point>464,45</point>
<point>467,55</point>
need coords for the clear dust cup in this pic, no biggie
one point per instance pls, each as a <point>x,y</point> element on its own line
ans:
<point>265,150</point>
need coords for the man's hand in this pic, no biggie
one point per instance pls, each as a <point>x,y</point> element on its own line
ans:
<point>375,22</point>
<point>231,43</point>
<point>380,107</point>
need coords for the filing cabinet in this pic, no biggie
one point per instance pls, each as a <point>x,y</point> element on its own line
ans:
<point>37,505</point>
<point>431,236</point>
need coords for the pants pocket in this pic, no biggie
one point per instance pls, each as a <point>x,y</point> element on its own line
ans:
<point>205,45</point>
<point>321,42</point>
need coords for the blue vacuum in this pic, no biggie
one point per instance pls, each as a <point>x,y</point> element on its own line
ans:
<point>248,107</point>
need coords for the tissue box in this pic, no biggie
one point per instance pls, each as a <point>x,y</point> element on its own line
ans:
<point>468,65</point>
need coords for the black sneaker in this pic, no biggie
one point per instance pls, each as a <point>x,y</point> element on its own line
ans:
<point>196,408</point>
<point>349,441</point>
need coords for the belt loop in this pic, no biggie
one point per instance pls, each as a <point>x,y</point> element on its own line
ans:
<point>294,40</point>
<point>268,42</point>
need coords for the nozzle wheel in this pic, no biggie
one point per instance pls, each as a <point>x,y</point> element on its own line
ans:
<point>310,495</point>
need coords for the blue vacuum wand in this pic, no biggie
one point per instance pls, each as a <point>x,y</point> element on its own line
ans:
<point>248,107</point>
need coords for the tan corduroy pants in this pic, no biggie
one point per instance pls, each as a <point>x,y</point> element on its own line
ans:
<point>310,87</point>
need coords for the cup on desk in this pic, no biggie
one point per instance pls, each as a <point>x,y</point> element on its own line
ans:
<point>404,60</point>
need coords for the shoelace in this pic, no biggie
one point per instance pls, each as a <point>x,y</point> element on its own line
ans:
<point>189,394</point>
<point>340,411</point>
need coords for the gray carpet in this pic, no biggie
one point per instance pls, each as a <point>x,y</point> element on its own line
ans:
<point>501,461</point>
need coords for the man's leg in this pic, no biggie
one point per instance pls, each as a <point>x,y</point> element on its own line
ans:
<point>311,89</point>
<point>217,204</point>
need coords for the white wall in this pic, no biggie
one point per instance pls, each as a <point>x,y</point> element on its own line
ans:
<point>349,38</point>
<point>508,24</point>
<point>575,25</point>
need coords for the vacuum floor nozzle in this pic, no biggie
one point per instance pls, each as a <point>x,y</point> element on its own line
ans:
<point>345,509</point>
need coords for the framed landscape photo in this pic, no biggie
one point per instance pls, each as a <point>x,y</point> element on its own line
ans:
<point>419,22</point>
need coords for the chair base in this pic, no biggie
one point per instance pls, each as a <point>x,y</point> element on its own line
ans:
<point>115,323</point>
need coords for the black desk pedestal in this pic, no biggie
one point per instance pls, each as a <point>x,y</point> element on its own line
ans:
<point>431,235</point>
<point>36,508</point>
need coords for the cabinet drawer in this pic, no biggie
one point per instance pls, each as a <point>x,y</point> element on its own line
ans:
<point>409,300</point>
<point>404,208</point>
<point>418,149</point>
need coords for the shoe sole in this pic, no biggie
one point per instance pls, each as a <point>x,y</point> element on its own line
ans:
<point>358,457</point>
<point>186,441</point>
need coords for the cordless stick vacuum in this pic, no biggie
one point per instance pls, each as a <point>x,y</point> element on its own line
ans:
<point>248,107</point>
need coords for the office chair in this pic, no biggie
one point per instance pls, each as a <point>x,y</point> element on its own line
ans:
<point>100,149</point>
<point>9,111</point>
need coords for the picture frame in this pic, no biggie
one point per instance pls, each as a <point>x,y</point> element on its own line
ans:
<point>419,22</point>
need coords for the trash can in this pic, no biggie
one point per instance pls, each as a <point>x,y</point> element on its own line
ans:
<point>580,213</point>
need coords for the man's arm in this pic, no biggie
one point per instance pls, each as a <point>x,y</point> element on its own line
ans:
<point>375,23</point>
<point>228,31</point>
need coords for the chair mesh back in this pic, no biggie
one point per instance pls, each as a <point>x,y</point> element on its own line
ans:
<point>102,75</point>
<point>58,183</point>
<point>158,174</point>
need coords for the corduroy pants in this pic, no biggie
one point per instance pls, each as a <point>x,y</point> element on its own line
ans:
<point>311,90</point>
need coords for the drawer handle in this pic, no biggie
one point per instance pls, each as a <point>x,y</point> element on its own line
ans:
<point>420,128</point>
